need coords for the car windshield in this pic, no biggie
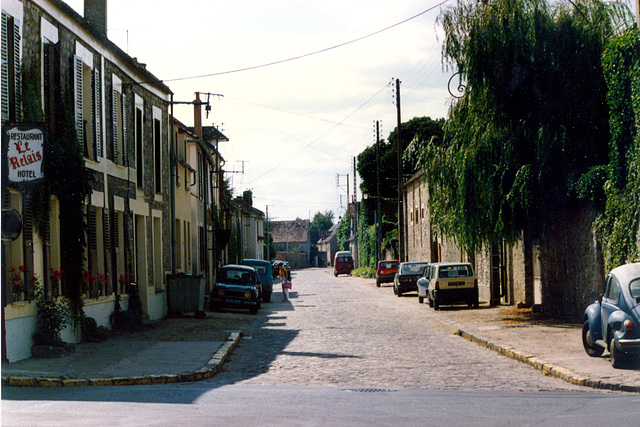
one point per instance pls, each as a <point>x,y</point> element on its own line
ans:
<point>412,268</point>
<point>389,264</point>
<point>235,276</point>
<point>634,288</point>
<point>453,271</point>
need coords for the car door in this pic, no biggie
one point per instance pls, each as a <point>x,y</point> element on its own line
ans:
<point>610,301</point>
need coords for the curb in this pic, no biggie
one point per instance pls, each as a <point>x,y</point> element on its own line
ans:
<point>545,367</point>
<point>208,371</point>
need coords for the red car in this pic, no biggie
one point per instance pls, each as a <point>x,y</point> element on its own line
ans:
<point>386,271</point>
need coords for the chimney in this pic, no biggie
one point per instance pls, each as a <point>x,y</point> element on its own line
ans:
<point>95,12</point>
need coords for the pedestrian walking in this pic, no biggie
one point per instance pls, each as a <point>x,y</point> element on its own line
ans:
<point>286,283</point>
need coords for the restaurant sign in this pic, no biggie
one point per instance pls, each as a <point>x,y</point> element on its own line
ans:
<point>24,153</point>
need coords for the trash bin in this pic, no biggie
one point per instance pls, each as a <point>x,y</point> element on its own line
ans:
<point>186,293</point>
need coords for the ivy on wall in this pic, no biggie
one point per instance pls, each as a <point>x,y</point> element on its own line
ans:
<point>617,227</point>
<point>67,178</point>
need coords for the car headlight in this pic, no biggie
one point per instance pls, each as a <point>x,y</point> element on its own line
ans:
<point>628,325</point>
<point>247,294</point>
<point>220,293</point>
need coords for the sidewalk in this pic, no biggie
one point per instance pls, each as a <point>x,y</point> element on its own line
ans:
<point>552,347</point>
<point>187,349</point>
<point>173,350</point>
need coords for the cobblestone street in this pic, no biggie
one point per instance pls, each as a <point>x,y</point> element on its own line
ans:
<point>345,332</point>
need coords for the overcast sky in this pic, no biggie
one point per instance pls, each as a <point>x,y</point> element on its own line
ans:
<point>294,127</point>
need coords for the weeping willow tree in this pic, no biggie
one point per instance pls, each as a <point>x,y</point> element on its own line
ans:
<point>529,137</point>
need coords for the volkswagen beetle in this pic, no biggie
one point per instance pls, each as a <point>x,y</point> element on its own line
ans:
<point>613,321</point>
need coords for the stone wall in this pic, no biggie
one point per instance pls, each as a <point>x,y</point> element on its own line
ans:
<point>571,264</point>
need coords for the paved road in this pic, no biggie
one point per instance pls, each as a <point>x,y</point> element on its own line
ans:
<point>346,332</point>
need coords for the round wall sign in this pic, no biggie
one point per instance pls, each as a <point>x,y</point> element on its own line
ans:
<point>11,224</point>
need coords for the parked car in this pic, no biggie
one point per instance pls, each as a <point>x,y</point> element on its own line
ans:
<point>451,283</point>
<point>237,286</point>
<point>265,271</point>
<point>613,321</point>
<point>342,263</point>
<point>386,271</point>
<point>423,283</point>
<point>407,276</point>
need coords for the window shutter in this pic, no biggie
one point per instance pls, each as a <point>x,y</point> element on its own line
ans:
<point>116,230</point>
<point>27,220</point>
<point>125,145</point>
<point>91,223</point>
<point>77,69</point>
<point>97,113</point>
<point>107,229</point>
<point>16,65</point>
<point>5,67</point>
<point>114,115</point>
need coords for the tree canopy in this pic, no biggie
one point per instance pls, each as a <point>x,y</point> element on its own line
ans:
<point>413,132</point>
<point>531,128</point>
<point>322,221</point>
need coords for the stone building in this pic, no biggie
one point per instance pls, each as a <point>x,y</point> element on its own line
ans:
<point>120,114</point>
<point>556,272</point>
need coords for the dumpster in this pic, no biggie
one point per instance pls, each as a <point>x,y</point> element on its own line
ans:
<point>185,293</point>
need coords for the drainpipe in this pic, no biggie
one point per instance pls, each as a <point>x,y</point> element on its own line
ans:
<point>197,130</point>
<point>172,158</point>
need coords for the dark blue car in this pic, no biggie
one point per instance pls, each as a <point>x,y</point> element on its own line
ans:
<point>237,286</point>
<point>613,321</point>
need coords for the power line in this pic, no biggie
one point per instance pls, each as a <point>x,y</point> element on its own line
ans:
<point>308,54</point>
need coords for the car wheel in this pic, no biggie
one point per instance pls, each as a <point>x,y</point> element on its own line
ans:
<point>335,274</point>
<point>476,303</point>
<point>266,297</point>
<point>399,293</point>
<point>377,283</point>
<point>617,357</point>
<point>592,349</point>
<point>395,290</point>
<point>430,302</point>
<point>420,299</point>
<point>436,304</point>
<point>253,310</point>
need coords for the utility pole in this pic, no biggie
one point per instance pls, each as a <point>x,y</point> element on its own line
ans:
<point>378,198</point>
<point>401,254</point>
<point>356,256</point>
<point>267,239</point>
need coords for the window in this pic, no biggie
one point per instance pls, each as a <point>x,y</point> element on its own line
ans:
<point>634,288</point>
<point>51,85</point>
<point>612,290</point>
<point>87,95</point>
<point>11,59</point>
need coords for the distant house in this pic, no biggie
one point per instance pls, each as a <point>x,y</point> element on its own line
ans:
<point>327,246</point>
<point>292,237</point>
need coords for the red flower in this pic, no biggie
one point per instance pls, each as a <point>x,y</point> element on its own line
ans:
<point>21,268</point>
